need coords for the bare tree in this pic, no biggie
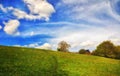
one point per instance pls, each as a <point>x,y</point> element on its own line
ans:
<point>63,46</point>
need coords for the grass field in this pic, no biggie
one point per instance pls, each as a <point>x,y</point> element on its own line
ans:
<point>16,61</point>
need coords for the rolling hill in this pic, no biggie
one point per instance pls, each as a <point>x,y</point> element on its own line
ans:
<point>17,61</point>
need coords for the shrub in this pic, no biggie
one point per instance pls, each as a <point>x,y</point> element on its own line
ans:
<point>83,51</point>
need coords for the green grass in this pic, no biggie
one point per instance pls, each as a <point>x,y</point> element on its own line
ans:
<point>16,61</point>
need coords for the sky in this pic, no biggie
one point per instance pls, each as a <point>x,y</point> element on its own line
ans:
<point>44,23</point>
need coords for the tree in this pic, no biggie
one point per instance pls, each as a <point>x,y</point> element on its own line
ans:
<point>106,49</point>
<point>117,52</point>
<point>63,46</point>
<point>83,51</point>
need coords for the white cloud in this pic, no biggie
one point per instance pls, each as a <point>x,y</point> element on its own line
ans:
<point>87,43</point>
<point>2,8</point>
<point>0,27</point>
<point>115,38</point>
<point>97,12</point>
<point>40,9</point>
<point>5,9</point>
<point>33,45</point>
<point>77,34</point>
<point>17,45</point>
<point>46,46</point>
<point>116,41</point>
<point>89,10</point>
<point>11,27</point>
<point>32,33</point>
<point>23,15</point>
<point>87,38</point>
<point>49,31</point>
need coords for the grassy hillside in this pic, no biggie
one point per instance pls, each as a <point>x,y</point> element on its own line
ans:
<point>16,61</point>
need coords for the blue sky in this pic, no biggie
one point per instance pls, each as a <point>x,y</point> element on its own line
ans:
<point>44,23</point>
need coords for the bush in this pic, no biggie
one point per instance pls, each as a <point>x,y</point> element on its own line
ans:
<point>83,51</point>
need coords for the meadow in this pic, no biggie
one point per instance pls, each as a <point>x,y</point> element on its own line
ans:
<point>17,61</point>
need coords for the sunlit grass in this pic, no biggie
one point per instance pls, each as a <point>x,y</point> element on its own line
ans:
<point>35,62</point>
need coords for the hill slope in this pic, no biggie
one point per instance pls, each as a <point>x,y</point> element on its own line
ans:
<point>16,61</point>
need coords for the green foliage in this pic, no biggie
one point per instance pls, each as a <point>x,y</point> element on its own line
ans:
<point>106,49</point>
<point>82,51</point>
<point>35,62</point>
<point>118,52</point>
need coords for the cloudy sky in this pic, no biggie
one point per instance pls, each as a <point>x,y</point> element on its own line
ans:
<point>44,23</point>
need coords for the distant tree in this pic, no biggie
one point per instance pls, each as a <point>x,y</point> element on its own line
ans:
<point>117,52</point>
<point>83,51</point>
<point>106,49</point>
<point>63,46</point>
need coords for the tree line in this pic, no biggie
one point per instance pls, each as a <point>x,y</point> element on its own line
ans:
<point>104,49</point>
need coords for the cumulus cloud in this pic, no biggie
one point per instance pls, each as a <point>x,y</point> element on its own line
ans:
<point>39,9</point>
<point>11,27</point>
<point>37,45</point>
<point>32,45</point>
<point>46,46</point>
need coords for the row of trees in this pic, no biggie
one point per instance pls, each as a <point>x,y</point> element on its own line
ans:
<point>107,49</point>
<point>104,49</point>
